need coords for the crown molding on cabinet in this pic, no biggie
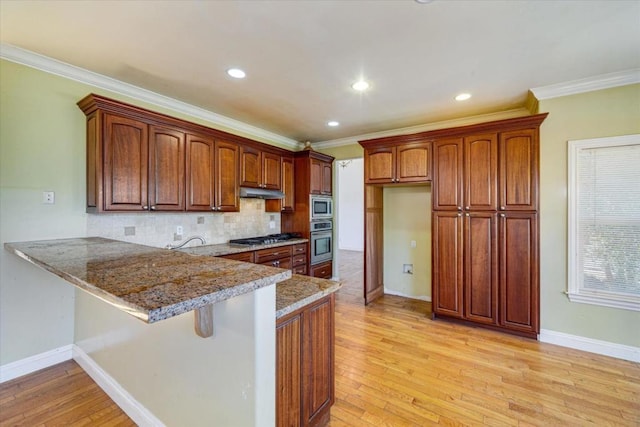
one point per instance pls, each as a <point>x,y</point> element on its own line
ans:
<point>481,118</point>
<point>62,69</point>
<point>589,84</point>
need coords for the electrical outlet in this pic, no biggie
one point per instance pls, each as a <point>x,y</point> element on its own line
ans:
<point>272,225</point>
<point>48,197</point>
<point>407,268</point>
<point>179,230</point>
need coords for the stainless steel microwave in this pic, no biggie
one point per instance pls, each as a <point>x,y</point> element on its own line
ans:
<point>321,207</point>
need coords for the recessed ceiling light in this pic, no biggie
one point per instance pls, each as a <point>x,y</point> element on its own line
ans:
<point>236,73</point>
<point>333,123</point>
<point>360,85</point>
<point>463,97</point>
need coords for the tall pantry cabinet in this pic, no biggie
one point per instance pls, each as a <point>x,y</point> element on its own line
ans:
<point>485,226</point>
<point>485,223</point>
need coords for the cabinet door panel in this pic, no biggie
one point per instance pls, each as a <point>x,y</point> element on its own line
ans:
<point>518,234</point>
<point>126,164</point>
<point>447,183</point>
<point>250,167</point>
<point>227,183</point>
<point>288,185</point>
<point>413,162</point>
<point>288,373</point>
<point>481,268</point>
<point>380,165</point>
<point>519,170</point>
<point>447,263</point>
<point>272,177</point>
<point>327,179</point>
<point>200,173</point>
<point>315,183</point>
<point>166,169</point>
<point>480,167</point>
<point>318,381</point>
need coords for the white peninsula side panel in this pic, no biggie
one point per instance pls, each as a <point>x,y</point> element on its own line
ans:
<point>181,378</point>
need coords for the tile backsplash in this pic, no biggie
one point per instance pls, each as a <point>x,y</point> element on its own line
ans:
<point>159,229</point>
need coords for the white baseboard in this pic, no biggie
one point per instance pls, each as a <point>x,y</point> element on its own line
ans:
<point>35,363</point>
<point>619,351</point>
<point>134,409</point>
<point>400,294</point>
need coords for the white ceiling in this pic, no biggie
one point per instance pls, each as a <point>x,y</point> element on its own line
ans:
<point>302,56</point>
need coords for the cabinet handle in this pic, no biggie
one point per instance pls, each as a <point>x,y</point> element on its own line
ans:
<point>145,207</point>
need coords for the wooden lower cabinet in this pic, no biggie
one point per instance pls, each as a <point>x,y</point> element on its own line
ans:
<point>289,257</point>
<point>519,281</point>
<point>485,269</point>
<point>323,270</point>
<point>305,365</point>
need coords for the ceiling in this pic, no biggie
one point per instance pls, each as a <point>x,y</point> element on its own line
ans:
<point>301,57</point>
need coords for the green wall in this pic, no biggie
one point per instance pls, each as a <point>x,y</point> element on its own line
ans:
<point>603,113</point>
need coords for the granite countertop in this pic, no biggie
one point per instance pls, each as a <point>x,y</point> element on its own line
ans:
<point>299,291</point>
<point>229,248</point>
<point>149,283</point>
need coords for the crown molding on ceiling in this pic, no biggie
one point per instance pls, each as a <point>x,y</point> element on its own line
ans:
<point>499,115</point>
<point>62,69</point>
<point>574,87</point>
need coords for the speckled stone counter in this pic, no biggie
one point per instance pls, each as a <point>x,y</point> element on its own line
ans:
<point>228,248</point>
<point>299,291</point>
<point>149,283</point>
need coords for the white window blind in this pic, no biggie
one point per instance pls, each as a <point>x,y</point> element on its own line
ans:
<point>604,221</point>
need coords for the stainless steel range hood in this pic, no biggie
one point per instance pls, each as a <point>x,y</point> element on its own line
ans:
<point>260,193</point>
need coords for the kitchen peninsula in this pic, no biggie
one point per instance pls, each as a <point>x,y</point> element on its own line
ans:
<point>174,376</point>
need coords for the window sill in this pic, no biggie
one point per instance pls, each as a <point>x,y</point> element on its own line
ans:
<point>606,300</point>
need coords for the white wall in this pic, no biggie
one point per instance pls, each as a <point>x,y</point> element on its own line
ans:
<point>350,204</point>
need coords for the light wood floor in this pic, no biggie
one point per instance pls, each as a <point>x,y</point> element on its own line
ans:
<point>396,367</point>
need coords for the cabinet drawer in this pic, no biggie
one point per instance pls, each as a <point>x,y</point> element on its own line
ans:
<point>323,271</point>
<point>264,255</point>
<point>280,263</point>
<point>300,248</point>
<point>299,260</point>
<point>300,269</point>
<point>242,256</point>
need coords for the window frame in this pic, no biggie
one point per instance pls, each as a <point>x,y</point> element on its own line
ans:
<point>574,291</point>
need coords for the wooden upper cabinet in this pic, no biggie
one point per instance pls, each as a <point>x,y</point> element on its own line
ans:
<point>250,167</point>
<point>447,170</point>
<point>413,162</point>
<point>518,170</point>
<point>227,181</point>
<point>320,177</point>
<point>519,269</point>
<point>166,169</point>
<point>259,169</point>
<point>398,163</point>
<point>480,172</point>
<point>200,173</point>
<point>125,166</point>
<point>271,171</point>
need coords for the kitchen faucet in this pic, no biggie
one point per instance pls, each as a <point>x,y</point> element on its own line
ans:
<point>179,245</point>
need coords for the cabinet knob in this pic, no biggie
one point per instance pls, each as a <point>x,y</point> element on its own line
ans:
<point>213,208</point>
<point>466,207</point>
<point>153,208</point>
<point>502,208</point>
<point>502,215</point>
<point>145,207</point>
<point>467,214</point>
<point>459,208</point>
<point>459,214</point>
